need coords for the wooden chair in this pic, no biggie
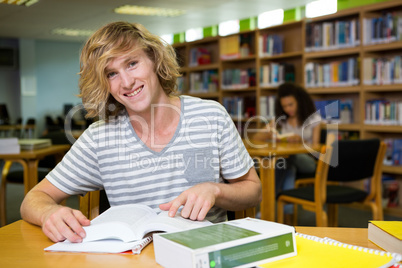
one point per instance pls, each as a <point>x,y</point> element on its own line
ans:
<point>358,160</point>
<point>94,203</point>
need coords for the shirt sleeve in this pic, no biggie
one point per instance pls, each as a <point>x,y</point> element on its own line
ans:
<point>235,161</point>
<point>78,172</point>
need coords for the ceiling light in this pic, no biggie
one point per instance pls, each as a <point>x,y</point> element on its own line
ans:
<point>72,32</point>
<point>229,27</point>
<point>149,11</point>
<point>168,38</point>
<point>26,3</point>
<point>270,18</point>
<point>194,34</point>
<point>321,8</point>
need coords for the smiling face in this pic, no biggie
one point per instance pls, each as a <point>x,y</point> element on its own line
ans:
<point>289,105</point>
<point>133,82</point>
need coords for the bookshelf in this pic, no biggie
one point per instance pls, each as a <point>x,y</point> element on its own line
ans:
<point>343,42</point>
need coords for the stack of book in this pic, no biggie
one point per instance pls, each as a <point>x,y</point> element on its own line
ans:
<point>9,146</point>
<point>34,144</point>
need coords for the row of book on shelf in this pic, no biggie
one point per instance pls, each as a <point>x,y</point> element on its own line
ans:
<point>204,81</point>
<point>382,71</point>
<point>382,29</point>
<point>393,155</point>
<point>240,107</point>
<point>332,74</point>
<point>332,110</point>
<point>332,34</point>
<point>274,74</point>
<point>383,112</point>
<point>238,78</point>
<point>377,71</point>
<point>236,46</point>
<point>270,44</point>
<point>326,35</point>
<point>199,56</point>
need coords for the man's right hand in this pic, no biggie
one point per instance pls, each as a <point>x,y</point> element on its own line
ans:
<point>62,223</point>
<point>41,207</point>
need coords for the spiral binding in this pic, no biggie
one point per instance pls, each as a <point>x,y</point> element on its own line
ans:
<point>330,241</point>
<point>142,244</point>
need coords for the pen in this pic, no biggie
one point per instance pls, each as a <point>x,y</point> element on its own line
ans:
<point>142,244</point>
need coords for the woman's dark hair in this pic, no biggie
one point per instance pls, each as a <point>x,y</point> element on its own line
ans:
<point>305,104</point>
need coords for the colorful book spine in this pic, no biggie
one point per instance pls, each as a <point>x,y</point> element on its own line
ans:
<point>199,56</point>
<point>205,81</point>
<point>383,112</point>
<point>240,107</point>
<point>336,109</point>
<point>238,78</point>
<point>333,74</point>
<point>383,29</point>
<point>236,46</point>
<point>271,44</point>
<point>382,70</point>
<point>274,74</point>
<point>330,35</point>
<point>267,106</point>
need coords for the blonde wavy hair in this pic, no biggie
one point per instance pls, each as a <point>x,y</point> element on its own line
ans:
<point>111,41</point>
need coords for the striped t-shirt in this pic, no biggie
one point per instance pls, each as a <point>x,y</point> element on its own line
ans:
<point>206,147</point>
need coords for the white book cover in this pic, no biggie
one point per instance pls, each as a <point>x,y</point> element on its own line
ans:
<point>239,243</point>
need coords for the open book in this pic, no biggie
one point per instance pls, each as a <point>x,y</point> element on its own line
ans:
<point>121,228</point>
<point>284,135</point>
<point>281,136</point>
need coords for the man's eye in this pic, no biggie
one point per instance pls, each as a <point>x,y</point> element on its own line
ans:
<point>133,63</point>
<point>111,75</point>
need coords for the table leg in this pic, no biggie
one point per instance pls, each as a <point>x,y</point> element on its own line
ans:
<point>267,176</point>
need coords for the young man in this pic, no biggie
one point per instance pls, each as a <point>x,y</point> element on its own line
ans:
<point>150,147</point>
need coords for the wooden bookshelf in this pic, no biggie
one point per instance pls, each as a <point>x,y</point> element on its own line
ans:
<point>295,37</point>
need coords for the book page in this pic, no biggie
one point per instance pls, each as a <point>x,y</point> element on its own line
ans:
<point>165,223</point>
<point>119,222</point>
<point>101,246</point>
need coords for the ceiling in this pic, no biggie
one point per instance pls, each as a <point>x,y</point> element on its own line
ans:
<point>38,20</point>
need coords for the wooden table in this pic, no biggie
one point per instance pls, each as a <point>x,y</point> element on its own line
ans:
<point>22,246</point>
<point>267,154</point>
<point>30,159</point>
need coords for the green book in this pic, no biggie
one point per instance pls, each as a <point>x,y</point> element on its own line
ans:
<point>239,243</point>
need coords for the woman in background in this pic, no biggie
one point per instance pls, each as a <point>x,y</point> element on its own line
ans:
<point>297,117</point>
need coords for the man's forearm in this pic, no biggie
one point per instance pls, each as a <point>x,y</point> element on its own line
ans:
<point>240,195</point>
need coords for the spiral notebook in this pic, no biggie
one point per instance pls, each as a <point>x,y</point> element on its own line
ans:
<point>319,252</point>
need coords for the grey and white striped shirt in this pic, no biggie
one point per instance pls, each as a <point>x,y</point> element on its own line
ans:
<point>206,147</point>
